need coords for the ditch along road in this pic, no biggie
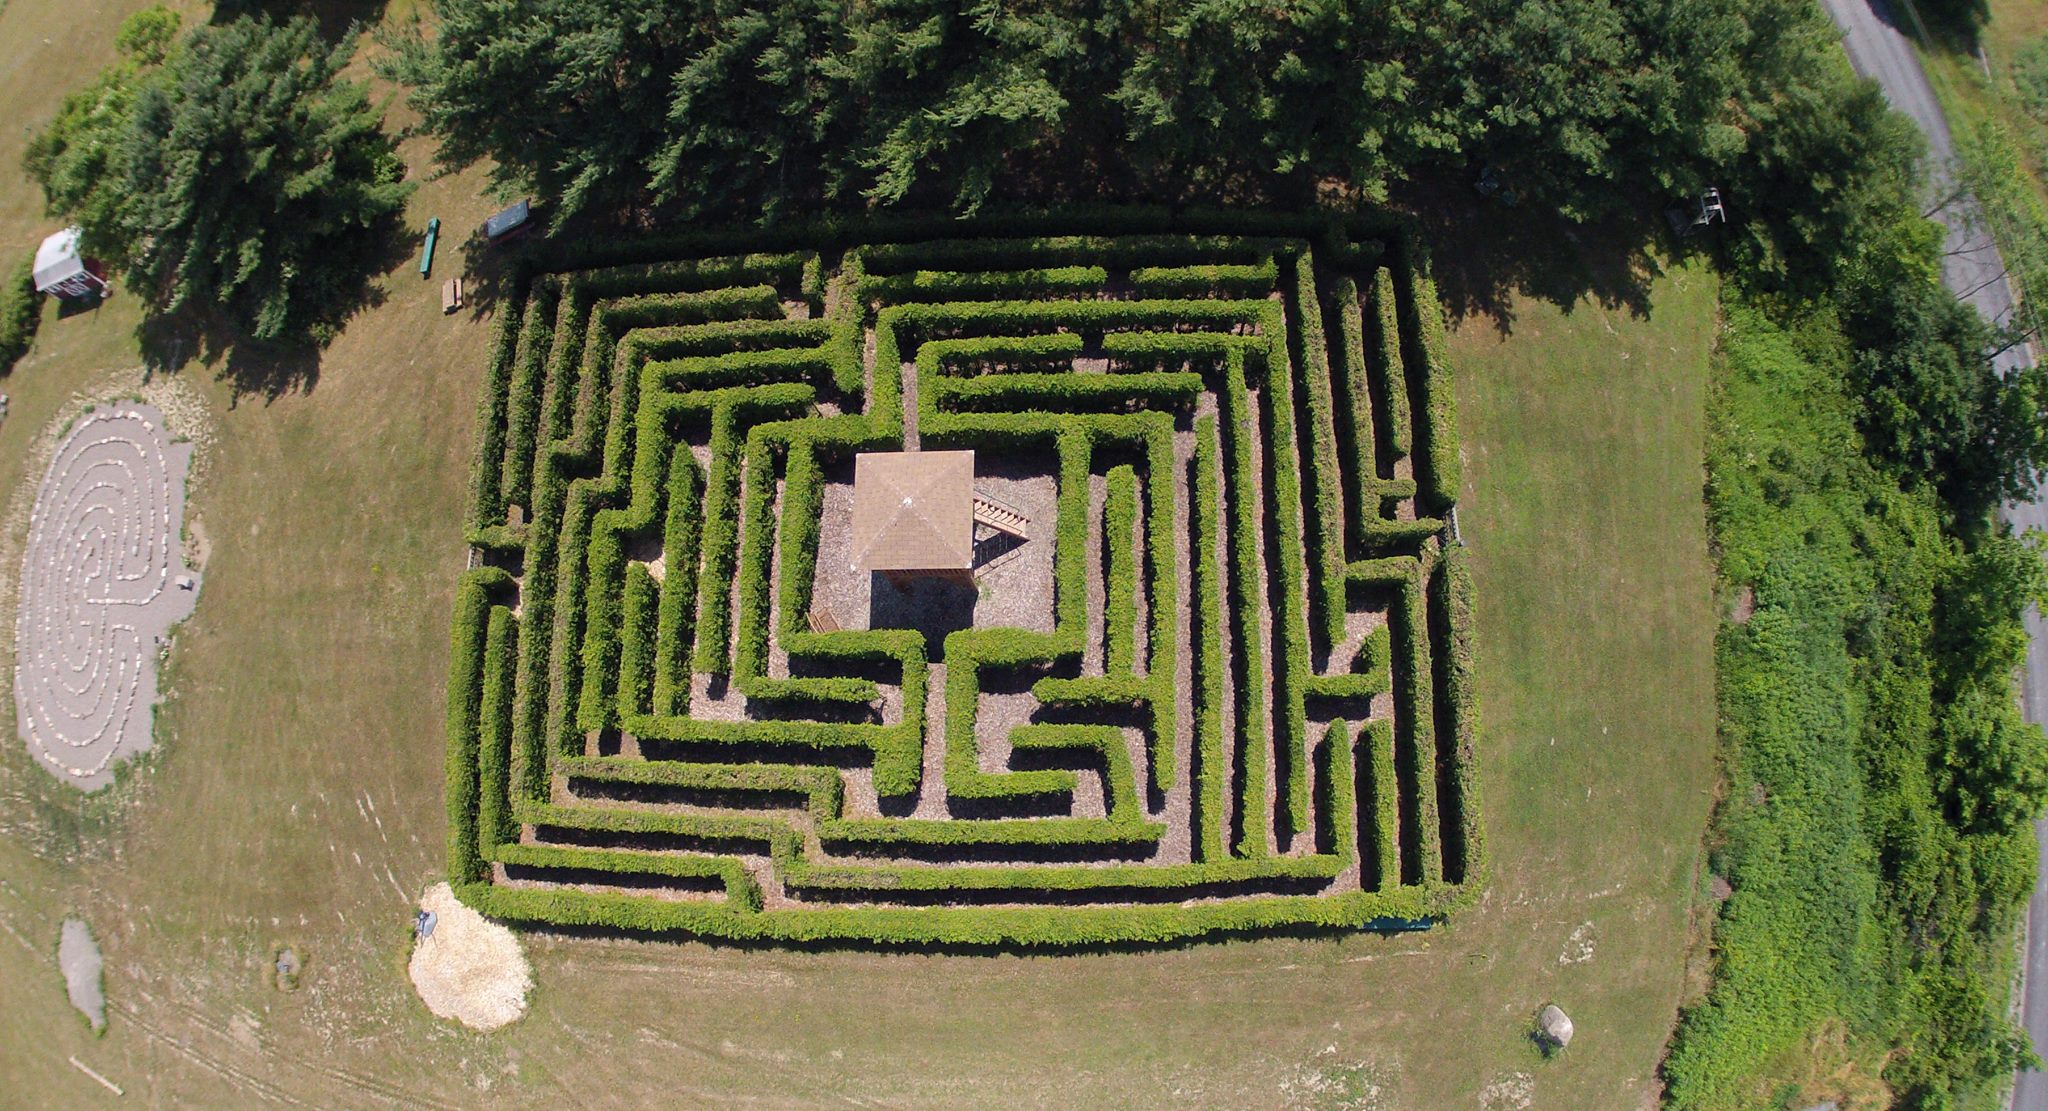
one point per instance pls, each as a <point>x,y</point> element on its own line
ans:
<point>1879,47</point>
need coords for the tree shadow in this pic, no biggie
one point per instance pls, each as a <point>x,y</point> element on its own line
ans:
<point>251,367</point>
<point>491,272</point>
<point>933,606</point>
<point>1954,25</point>
<point>272,368</point>
<point>1484,254</point>
<point>335,17</point>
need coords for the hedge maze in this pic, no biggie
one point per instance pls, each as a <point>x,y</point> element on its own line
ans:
<point>1223,683</point>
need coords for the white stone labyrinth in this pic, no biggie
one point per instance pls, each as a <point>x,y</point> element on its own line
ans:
<point>100,586</point>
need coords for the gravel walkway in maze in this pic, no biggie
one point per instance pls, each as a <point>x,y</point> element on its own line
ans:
<point>100,589</point>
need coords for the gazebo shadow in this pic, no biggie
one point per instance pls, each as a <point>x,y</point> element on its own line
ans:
<point>932,605</point>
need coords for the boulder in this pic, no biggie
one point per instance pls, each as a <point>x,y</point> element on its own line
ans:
<point>1555,1026</point>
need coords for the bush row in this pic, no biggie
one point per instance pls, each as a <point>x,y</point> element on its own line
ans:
<point>1463,860</point>
<point>1385,363</point>
<point>1415,722</point>
<point>675,624</point>
<point>1421,318</point>
<point>523,407</point>
<point>1384,809</point>
<point>486,468</point>
<point>801,516</point>
<point>783,269</point>
<point>20,311</point>
<point>1285,501</point>
<point>742,368</point>
<point>1405,908</point>
<point>1066,392</point>
<point>1210,775</point>
<point>639,608</point>
<point>1100,229</point>
<point>494,736</point>
<point>967,652</point>
<point>999,353</point>
<point>757,551</point>
<point>971,285</point>
<point>1162,571</point>
<point>1025,881</point>
<point>1325,530</point>
<point>935,321</point>
<point>1094,690</point>
<point>741,892</point>
<point>1336,791</point>
<point>465,714</point>
<point>1135,253</point>
<point>822,792</point>
<point>1360,442</point>
<point>1222,280</point>
<point>1254,756</point>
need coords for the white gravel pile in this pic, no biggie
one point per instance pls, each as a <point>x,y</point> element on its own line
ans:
<point>471,969</point>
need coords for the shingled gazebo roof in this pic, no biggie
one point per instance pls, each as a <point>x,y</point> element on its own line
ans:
<point>913,511</point>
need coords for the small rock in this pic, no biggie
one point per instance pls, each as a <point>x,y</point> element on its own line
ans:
<point>1555,1026</point>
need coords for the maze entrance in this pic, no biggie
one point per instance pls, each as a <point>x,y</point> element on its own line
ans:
<point>1043,589</point>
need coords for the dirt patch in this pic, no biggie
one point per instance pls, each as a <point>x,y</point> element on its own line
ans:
<point>78,957</point>
<point>1745,606</point>
<point>1326,1083</point>
<point>1512,1092</point>
<point>470,968</point>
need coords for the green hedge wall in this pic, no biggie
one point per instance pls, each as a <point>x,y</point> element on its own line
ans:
<point>639,402</point>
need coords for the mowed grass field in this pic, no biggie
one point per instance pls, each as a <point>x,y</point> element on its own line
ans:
<point>295,797</point>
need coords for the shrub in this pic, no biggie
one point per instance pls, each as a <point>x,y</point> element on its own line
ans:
<point>20,312</point>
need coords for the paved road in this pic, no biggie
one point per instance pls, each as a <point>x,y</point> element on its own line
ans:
<point>1880,50</point>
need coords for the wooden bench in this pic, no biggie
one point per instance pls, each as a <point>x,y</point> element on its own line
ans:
<point>451,295</point>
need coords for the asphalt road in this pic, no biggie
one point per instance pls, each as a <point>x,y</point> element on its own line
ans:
<point>1880,50</point>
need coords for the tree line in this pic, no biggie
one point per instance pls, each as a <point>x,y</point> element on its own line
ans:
<point>726,109</point>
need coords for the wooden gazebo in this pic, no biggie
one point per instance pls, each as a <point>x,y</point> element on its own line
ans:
<point>913,514</point>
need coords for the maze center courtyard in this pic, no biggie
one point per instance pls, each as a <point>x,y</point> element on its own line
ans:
<point>1014,590</point>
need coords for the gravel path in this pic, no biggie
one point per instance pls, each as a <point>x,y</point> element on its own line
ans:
<point>100,590</point>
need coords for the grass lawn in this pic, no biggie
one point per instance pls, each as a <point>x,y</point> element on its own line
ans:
<point>295,797</point>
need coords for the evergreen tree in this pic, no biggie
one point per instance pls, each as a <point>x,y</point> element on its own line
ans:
<point>233,172</point>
